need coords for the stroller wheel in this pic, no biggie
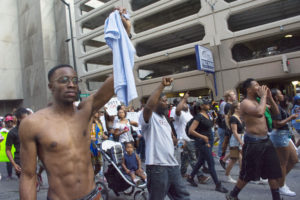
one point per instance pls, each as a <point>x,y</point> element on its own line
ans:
<point>129,191</point>
<point>140,195</point>
<point>103,189</point>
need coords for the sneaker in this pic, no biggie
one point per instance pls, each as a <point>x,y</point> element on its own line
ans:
<point>220,188</point>
<point>223,164</point>
<point>229,197</point>
<point>230,179</point>
<point>203,179</point>
<point>285,190</point>
<point>191,181</point>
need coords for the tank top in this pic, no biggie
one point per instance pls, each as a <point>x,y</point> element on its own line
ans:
<point>131,161</point>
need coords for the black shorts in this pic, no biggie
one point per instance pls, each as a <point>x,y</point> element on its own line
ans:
<point>259,161</point>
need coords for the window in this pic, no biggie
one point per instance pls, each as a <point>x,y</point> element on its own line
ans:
<point>95,22</point>
<point>170,40</point>
<point>268,13</point>
<point>93,43</point>
<point>98,62</point>
<point>168,67</point>
<point>170,14</point>
<point>91,5</point>
<point>138,4</point>
<point>229,1</point>
<point>273,45</point>
<point>96,82</point>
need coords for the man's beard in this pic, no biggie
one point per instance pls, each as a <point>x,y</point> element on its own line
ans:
<point>162,111</point>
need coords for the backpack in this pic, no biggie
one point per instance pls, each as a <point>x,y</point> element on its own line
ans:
<point>187,127</point>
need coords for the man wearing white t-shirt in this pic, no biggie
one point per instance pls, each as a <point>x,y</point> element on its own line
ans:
<point>162,167</point>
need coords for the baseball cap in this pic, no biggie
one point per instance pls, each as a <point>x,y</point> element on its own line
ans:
<point>202,101</point>
<point>296,98</point>
<point>8,118</point>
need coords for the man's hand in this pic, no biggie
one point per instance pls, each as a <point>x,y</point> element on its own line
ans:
<point>17,168</point>
<point>167,81</point>
<point>126,22</point>
<point>262,91</point>
<point>186,95</point>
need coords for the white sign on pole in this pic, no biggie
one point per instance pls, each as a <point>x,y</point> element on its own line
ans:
<point>111,106</point>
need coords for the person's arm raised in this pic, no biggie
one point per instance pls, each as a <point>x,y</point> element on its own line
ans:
<point>274,108</point>
<point>179,107</point>
<point>106,92</point>
<point>153,99</point>
<point>28,152</point>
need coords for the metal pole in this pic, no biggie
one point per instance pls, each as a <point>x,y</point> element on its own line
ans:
<point>72,38</point>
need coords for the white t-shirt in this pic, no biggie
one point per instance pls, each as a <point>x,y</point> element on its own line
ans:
<point>159,144</point>
<point>181,122</point>
<point>173,115</point>
<point>125,137</point>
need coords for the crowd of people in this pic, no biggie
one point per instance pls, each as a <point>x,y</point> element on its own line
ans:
<point>258,131</point>
<point>260,127</point>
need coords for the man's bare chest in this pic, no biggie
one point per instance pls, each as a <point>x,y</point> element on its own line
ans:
<point>62,135</point>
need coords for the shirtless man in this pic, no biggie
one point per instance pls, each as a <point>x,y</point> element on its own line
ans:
<point>59,135</point>
<point>259,155</point>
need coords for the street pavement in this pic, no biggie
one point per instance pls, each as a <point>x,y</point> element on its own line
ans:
<point>9,188</point>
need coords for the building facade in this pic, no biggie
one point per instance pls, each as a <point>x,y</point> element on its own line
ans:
<point>248,39</point>
<point>32,40</point>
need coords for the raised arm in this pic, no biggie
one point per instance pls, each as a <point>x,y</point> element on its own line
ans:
<point>28,152</point>
<point>179,107</point>
<point>153,99</point>
<point>106,92</point>
<point>274,108</point>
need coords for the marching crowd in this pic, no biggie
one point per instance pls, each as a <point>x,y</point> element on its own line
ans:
<point>194,128</point>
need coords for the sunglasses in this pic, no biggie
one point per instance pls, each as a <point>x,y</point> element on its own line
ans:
<point>68,80</point>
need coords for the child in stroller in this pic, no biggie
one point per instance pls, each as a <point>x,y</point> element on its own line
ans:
<point>132,164</point>
<point>116,179</point>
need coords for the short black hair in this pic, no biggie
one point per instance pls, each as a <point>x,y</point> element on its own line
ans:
<point>21,111</point>
<point>246,84</point>
<point>51,71</point>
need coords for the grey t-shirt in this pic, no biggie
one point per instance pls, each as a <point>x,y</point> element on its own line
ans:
<point>158,137</point>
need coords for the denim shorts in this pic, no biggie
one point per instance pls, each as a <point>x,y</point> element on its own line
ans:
<point>280,138</point>
<point>234,142</point>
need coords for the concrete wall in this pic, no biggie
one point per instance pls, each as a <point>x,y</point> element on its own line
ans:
<point>42,32</point>
<point>10,65</point>
<point>11,94</point>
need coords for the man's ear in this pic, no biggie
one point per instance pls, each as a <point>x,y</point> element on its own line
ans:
<point>50,86</point>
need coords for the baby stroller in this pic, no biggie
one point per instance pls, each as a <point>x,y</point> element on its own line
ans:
<point>118,181</point>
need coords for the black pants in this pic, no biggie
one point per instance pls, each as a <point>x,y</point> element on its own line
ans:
<point>205,154</point>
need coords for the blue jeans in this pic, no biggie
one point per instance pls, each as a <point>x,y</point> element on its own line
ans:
<point>165,180</point>
<point>221,132</point>
<point>205,155</point>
